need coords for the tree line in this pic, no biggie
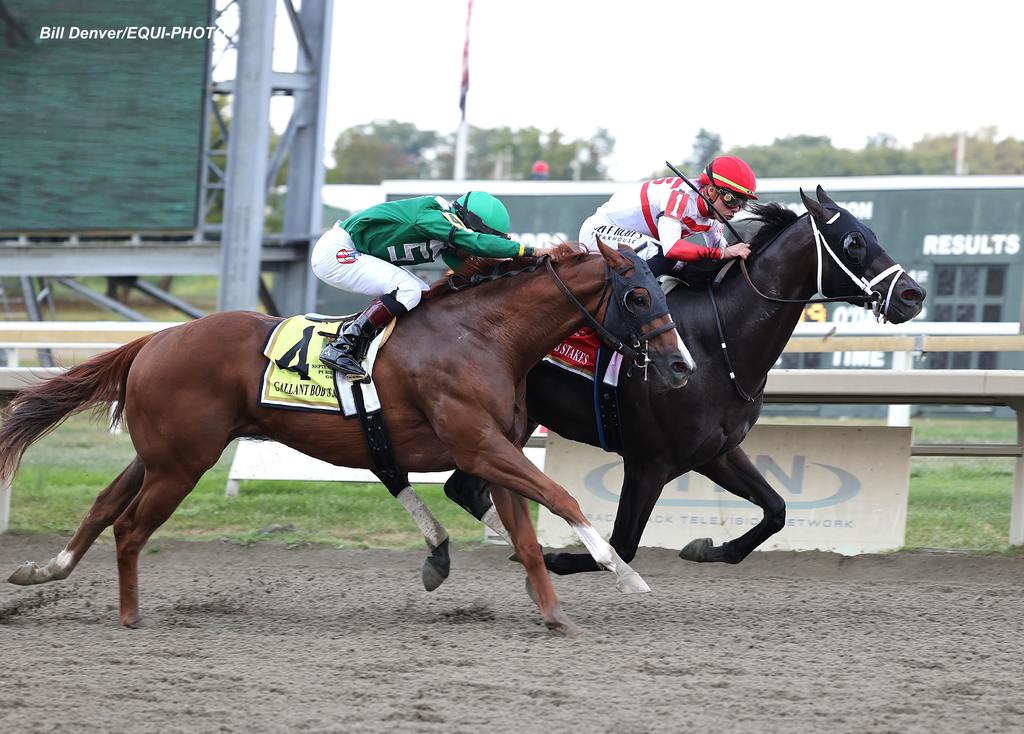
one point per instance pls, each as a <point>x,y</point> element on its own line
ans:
<point>815,155</point>
<point>390,149</point>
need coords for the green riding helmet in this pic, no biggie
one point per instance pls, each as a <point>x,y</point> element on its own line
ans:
<point>482,212</point>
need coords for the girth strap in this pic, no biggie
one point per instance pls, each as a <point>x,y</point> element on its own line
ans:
<point>379,444</point>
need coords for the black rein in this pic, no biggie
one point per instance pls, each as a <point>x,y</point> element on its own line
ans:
<point>632,351</point>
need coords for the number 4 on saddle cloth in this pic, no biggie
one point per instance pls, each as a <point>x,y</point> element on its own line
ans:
<point>296,379</point>
<point>583,354</point>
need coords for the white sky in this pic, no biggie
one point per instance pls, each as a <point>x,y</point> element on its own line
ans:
<point>654,73</point>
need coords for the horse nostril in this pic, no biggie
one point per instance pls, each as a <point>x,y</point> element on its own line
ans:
<point>680,367</point>
<point>911,295</point>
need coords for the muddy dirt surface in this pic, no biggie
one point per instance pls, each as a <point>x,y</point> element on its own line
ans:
<point>270,639</point>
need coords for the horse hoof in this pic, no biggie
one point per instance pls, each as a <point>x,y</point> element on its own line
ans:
<point>566,628</point>
<point>26,575</point>
<point>132,623</point>
<point>697,550</point>
<point>436,567</point>
<point>632,583</point>
<point>561,624</point>
<point>432,575</point>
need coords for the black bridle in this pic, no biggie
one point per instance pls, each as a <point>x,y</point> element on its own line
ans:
<point>863,299</point>
<point>636,349</point>
<point>614,285</point>
<point>744,395</point>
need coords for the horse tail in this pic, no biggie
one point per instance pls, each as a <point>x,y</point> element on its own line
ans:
<point>37,410</point>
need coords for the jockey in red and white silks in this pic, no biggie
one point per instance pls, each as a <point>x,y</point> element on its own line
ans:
<point>655,217</point>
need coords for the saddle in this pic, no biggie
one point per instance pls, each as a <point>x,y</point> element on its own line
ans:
<point>583,354</point>
<point>293,380</point>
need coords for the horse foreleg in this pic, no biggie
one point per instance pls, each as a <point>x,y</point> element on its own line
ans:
<point>471,494</point>
<point>109,504</point>
<point>515,512</point>
<point>497,460</point>
<point>641,487</point>
<point>734,472</point>
<point>438,564</point>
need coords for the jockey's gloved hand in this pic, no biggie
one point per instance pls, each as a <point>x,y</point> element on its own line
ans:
<point>537,251</point>
<point>740,250</point>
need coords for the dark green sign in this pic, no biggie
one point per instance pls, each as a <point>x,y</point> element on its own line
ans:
<point>100,114</point>
<point>960,237</point>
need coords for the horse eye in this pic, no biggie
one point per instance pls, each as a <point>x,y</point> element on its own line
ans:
<point>636,299</point>
<point>854,247</point>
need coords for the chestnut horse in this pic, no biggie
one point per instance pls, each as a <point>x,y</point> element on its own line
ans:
<point>188,391</point>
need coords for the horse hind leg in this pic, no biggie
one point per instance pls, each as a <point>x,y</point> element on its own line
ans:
<point>162,491</point>
<point>735,472</point>
<point>109,504</point>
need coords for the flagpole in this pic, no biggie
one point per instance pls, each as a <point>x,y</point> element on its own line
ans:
<point>462,136</point>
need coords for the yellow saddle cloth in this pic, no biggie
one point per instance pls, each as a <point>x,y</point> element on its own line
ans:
<point>295,377</point>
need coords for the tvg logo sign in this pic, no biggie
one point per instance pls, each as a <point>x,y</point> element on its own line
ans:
<point>799,491</point>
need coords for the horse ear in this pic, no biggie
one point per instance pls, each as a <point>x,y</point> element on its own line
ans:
<point>615,260</point>
<point>817,210</point>
<point>824,198</point>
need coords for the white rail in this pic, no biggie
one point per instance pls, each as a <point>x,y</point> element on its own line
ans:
<point>898,388</point>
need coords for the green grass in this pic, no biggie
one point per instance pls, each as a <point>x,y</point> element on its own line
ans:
<point>62,474</point>
<point>954,503</point>
<point>962,503</point>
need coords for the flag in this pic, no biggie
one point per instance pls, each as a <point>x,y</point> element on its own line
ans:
<point>464,89</point>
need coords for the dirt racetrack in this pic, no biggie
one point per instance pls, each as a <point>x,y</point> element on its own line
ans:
<point>267,639</point>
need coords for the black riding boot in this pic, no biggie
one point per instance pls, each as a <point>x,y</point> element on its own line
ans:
<point>345,353</point>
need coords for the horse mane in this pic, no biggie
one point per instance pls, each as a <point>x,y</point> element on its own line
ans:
<point>474,270</point>
<point>774,219</point>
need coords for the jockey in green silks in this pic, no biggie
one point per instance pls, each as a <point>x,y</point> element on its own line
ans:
<point>363,254</point>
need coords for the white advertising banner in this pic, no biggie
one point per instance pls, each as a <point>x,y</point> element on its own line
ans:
<point>269,460</point>
<point>845,490</point>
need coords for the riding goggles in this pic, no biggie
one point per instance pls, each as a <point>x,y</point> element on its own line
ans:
<point>474,222</point>
<point>732,199</point>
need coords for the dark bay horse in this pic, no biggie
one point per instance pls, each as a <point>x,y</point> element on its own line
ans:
<point>701,426</point>
<point>451,382</point>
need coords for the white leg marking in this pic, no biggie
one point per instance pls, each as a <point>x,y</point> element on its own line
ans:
<point>64,560</point>
<point>493,521</point>
<point>433,532</point>
<point>55,569</point>
<point>627,580</point>
<point>596,545</point>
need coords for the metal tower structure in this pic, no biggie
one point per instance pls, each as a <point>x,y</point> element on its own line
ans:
<point>239,170</point>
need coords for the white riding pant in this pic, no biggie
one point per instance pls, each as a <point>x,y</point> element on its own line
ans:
<point>338,263</point>
<point>597,225</point>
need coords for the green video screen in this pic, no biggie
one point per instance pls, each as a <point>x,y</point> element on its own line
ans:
<point>101,114</point>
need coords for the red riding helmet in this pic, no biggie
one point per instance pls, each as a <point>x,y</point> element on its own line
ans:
<point>732,173</point>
